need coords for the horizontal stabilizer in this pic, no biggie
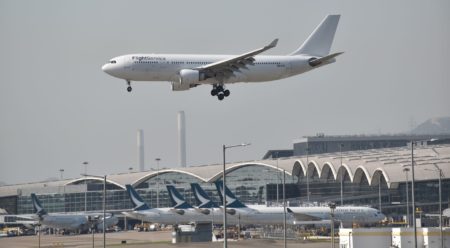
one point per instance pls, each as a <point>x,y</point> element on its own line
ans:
<point>318,61</point>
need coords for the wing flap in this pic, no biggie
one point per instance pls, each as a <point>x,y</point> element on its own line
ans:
<point>228,66</point>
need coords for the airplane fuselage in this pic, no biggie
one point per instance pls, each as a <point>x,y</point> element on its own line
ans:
<point>166,67</point>
<point>261,215</point>
<point>68,222</point>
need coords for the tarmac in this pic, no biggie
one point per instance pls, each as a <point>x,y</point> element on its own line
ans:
<point>134,239</point>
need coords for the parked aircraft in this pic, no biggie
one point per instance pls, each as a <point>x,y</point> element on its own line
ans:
<point>179,214</point>
<point>186,71</point>
<point>74,222</point>
<point>304,215</point>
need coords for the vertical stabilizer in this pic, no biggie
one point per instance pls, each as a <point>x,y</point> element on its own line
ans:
<point>37,207</point>
<point>202,198</point>
<point>232,201</point>
<point>176,199</point>
<point>320,40</point>
<point>136,199</point>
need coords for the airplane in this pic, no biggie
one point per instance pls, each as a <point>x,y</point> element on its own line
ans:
<point>347,215</point>
<point>186,71</point>
<point>169,216</point>
<point>74,222</point>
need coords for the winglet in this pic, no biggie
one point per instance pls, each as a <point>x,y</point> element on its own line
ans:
<point>38,209</point>
<point>176,199</point>
<point>232,201</point>
<point>202,198</point>
<point>136,199</point>
<point>272,44</point>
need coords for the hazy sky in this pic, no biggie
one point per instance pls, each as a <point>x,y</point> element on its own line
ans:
<point>58,108</point>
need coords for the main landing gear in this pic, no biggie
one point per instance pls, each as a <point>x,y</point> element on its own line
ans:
<point>129,89</point>
<point>220,92</point>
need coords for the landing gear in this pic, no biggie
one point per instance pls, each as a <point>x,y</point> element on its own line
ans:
<point>220,92</point>
<point>129,89</point>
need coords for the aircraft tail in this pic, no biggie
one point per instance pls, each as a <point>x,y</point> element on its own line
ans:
<point>136,199</point>
<point>176,199</point>
<point>232,201</point>
<point>320,40</point>
<point>37,206</point>
<point>202,198</point>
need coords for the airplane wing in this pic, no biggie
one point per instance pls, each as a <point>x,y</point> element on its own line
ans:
<point>302,216</point>
<point>226,68</point>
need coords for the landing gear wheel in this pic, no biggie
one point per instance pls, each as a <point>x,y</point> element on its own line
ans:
<point>226,93</point>
<point>219,88</point>
<point>214,92</point>
<point>129,89</point>
<point>220,96</point>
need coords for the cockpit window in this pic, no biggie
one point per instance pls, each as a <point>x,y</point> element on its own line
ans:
<point>112,61</point>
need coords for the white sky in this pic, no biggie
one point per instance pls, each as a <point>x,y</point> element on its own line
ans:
<point>58,108</point>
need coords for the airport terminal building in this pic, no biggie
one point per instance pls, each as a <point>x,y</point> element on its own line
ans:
<point>380,178</point>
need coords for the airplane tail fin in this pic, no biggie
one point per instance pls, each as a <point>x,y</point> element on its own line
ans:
<point>37,206</point>
<point>176,199</point>
<point>320,40</point>
<point>136,199</point>
<point>232,201</point>
<point>202,198</point>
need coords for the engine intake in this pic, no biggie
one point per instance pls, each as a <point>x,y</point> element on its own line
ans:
<point>187,79</point>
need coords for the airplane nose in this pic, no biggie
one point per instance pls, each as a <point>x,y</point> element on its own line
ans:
<point>105,68</point>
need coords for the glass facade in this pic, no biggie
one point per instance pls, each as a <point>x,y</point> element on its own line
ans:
<point>252,184</point>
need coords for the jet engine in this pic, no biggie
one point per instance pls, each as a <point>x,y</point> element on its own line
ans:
<point>313,62</point>
<point>188,78</point>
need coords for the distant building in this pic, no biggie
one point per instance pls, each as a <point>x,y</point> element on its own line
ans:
<point>375,177</point>
<point>327,144</point>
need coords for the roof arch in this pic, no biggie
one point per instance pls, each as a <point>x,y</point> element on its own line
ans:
<point>241,165</point>
<point>340,171</point>
<point>326,169</point>
<point>165,171</point>
<point>376,177</point>
<point>298,168</point>
<point>313,164</point>
<point>96,179</point>
<point>359,173</point>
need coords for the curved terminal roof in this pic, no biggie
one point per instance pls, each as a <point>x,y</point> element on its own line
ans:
<point>372,164</point>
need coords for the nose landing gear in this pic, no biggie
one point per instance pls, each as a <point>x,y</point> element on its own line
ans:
<point>220,92</point>
<point>129,89</point>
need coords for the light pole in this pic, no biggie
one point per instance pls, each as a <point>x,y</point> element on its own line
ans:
<point>61,171</point>
<point>379,193</point>
<point>224,148</point>
<point>332,206</point>
<point>342,175</point>
<point>413,194</point>
<point>406,170</point>
<point>104,205</point>
<point>284,207</point>
<point>440,203</point>
<point>85,163</point>
<point>157,181</point>
<point>307,176</point>
<point>278,177</point>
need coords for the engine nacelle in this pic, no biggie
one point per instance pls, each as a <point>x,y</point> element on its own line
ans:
<point>313,62</point>
<point>187,79</point>
<point>188,76</point>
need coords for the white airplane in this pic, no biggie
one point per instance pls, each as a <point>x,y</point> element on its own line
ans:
<point>258,214</point>
<point>73,222</point>
<point>179,214</point>
<point>186,71</point>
